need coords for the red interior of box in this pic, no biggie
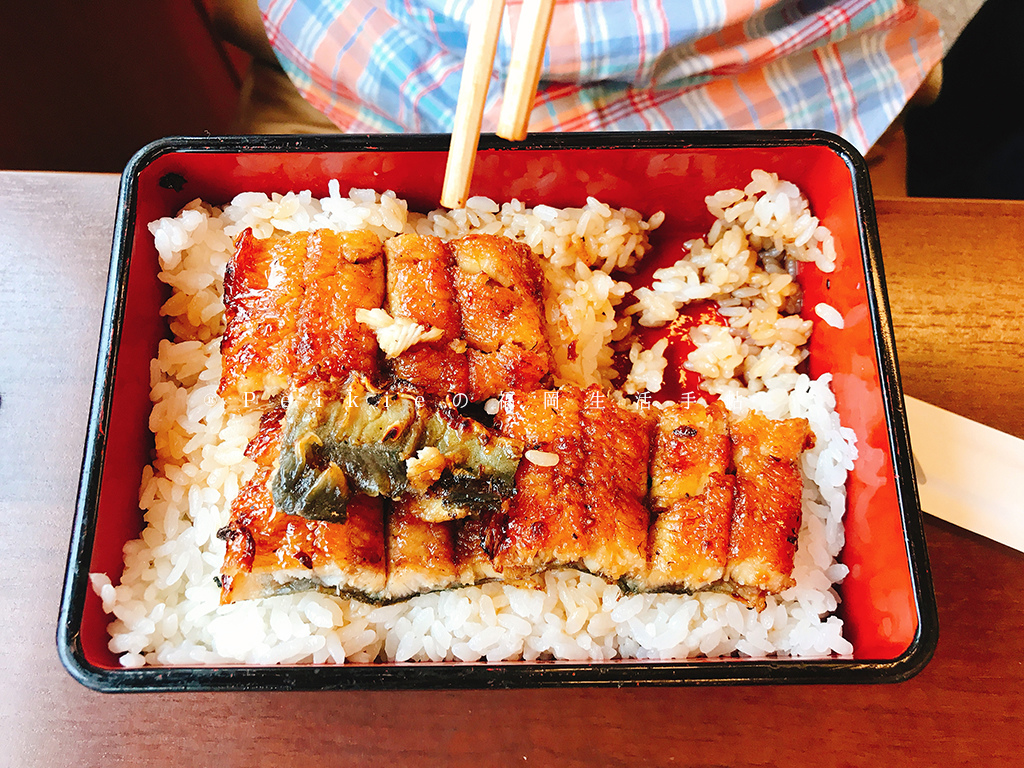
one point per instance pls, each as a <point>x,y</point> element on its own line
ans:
<point>878,605</point>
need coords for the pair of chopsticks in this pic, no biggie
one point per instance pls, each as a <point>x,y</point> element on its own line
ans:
<point>520,88</point>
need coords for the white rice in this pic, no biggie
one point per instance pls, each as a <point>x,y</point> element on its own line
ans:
<point>166,607</point>
<point>830,315</point>
<point>747,264</point>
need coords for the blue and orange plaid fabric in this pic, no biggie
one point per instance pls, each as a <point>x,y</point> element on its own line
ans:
<point>847,66</point>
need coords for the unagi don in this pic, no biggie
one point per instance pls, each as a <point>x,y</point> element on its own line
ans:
<point>270,553</point>
<point>579,496</point>
<point>354,442</point>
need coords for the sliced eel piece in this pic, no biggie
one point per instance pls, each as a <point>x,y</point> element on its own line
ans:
<point>767,512</point>
<point>616,444</point>
<point>479,466</point>
<point>506,369</point>
<point>270,553</point>
<point>691,496</point>
<point>344,271</point>
<point>586,509</point>
<point>542,526</point>
<point>263,287</point>
<point>343,439</point>
<point>471,550</point>
<point>420,287</point>
<point>340,439</point>
<point>421,555</point>
<point>498,284</point>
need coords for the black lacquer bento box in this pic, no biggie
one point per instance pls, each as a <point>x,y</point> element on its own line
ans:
<point>887,600</point>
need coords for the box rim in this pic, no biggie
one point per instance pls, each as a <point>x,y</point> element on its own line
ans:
<point>425,675</point>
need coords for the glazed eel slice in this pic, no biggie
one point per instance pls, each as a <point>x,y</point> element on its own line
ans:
<point>343,273</point>
<point>498,284</point>
<point>270,553</point>
<point>726,495</point>
<point>766,515</point>
<point>289,306</point>
<point>691,498</point>
<point>421,555</point>
<point>344,439</point>
<point>383,552</point>
<point>263,288</point>
<point>428,557</point>
<point>295,555</point>
<point>579,500</point>
<point>420,287</point>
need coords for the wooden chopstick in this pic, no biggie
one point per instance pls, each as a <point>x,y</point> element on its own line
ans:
<point>524,68</point>
<point>476,77</point>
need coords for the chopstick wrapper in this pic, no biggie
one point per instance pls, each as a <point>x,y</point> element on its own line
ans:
<point>968,474</point>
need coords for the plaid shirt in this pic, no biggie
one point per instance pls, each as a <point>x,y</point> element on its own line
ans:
<point>847,66</point>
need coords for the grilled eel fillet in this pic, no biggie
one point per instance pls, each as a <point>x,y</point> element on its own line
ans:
<point>372,556</point>
<point>767,512</point>
<point>342,439</point>
<point>587,510</point>
<point>420,287</point>
<point>430,556</point>
<point>263,290</point>
<point>590,515</point>
<point>691,498</point>
<point>498,284</point>
<point>421,555</point>
<point>715,530</point>
<point>289,306</point>
<point>271,553</point>
<point>344,271</point>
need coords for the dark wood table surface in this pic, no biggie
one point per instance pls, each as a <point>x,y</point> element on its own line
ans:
<point>955,281</point>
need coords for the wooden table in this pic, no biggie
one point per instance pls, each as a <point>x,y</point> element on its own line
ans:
<point>955,283</point>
